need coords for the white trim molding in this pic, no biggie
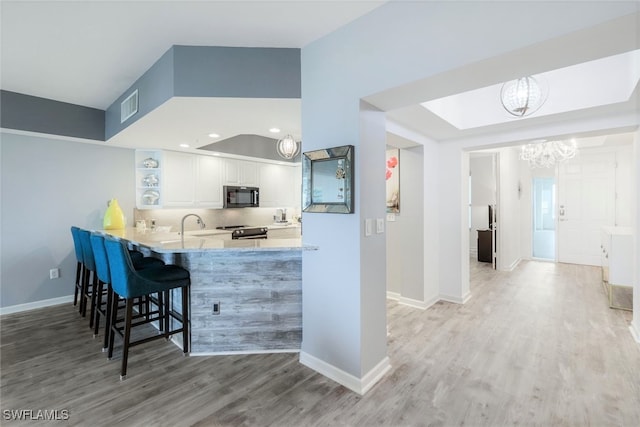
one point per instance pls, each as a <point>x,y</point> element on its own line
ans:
<point>357,385</point>
<point>36,304</point>
<point>456,299</point>
<point>393,295</point>
<point>415,303</point>
<point>635,333</point>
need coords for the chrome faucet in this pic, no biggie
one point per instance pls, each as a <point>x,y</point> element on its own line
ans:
<point>200,221</point>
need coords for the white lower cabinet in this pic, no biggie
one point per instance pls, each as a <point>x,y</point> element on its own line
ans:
<point>284,233</point>
<point>617,265</point>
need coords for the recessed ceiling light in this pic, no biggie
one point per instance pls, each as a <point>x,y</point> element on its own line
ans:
<point>214,135</point>
<point>274,130</point>
<point>183,145</point>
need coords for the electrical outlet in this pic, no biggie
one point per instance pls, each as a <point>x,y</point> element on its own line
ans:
<point>216,308</point>
<point>54,273</point>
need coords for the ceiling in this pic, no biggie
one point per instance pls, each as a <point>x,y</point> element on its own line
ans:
<point>94,50</point>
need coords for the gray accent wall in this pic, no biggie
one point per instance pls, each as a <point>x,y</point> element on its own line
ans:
<point>48,185</point>
<point>211,71</point>
<point>237,72</point>
<point>34,114</point>
<point>154,87</point>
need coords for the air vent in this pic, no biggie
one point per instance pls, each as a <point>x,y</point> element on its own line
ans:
<point>129,106</point>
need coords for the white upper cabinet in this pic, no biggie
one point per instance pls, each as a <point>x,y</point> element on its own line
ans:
<point>240,172</point>
<point>192,180</point>
<point>179,172</point>
<point>208,182</point>
<point>195,181</point>
<point>278,185</point>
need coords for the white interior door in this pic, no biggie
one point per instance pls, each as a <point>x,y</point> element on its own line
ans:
<point>586,203</point>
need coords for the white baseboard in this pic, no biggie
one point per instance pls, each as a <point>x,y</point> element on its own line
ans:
<point>393,295</point>
<point>456,299</point>
<point>422,305</point>
<point>357,385</point>
<point>36,304</point>
<point>635,333</point>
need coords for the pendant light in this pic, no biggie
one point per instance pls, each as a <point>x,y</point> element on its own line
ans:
<point>288,147</point>
<point>522,97</point>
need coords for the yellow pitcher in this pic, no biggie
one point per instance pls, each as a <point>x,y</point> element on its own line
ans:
<point>114,217</point>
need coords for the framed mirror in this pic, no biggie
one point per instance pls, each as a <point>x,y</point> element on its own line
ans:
<point>327,180</point>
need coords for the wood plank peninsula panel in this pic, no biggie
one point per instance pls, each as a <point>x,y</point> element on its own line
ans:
<point>245,301</point>
<point>245,296</point>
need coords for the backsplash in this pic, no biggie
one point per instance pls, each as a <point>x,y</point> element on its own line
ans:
<point>212,217</point>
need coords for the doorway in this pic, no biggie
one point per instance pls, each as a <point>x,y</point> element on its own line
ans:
<point>544,218</point>
<point>483,212</point>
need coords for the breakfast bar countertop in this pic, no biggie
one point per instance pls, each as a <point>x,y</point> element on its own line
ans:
<point>203,240</point>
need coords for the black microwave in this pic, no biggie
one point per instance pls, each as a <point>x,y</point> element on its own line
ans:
<point>241,197</point>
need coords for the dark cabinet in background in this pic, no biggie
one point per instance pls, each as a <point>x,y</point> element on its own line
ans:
<point>485,245</point>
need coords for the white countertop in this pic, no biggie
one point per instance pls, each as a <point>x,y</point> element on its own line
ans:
<point>196,241</point>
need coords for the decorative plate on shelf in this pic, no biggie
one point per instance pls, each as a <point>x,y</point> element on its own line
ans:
<point>150,163</point>
<point>150,180</point>
<point>150,197</point>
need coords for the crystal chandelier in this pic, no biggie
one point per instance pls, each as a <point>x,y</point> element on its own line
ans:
<point>545,154</point>
<point>288,147</point>
<point>521,97</point>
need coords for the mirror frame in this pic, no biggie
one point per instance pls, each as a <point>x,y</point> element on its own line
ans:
<point>311,158</point>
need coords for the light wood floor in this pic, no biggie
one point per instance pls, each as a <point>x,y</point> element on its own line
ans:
<point>537,346</point>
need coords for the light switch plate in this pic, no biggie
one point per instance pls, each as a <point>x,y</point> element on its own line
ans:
<point>368,226</point>
<point>379,225</point>
<point>391,217</point>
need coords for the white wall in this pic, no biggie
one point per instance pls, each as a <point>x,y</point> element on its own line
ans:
<point>624,186</point>
<point>635,322</point>
<point>48,185</point>
<point>509,208</point>
<point>398,43</point>
<point>405,246</point>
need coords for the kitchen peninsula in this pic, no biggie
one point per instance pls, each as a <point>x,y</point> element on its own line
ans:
<point>246,295</point>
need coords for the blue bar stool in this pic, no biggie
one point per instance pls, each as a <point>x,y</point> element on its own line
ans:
<point>89,278</point>
<point>79,264</point>
<point>129,283</point>
<point>104,278</point>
